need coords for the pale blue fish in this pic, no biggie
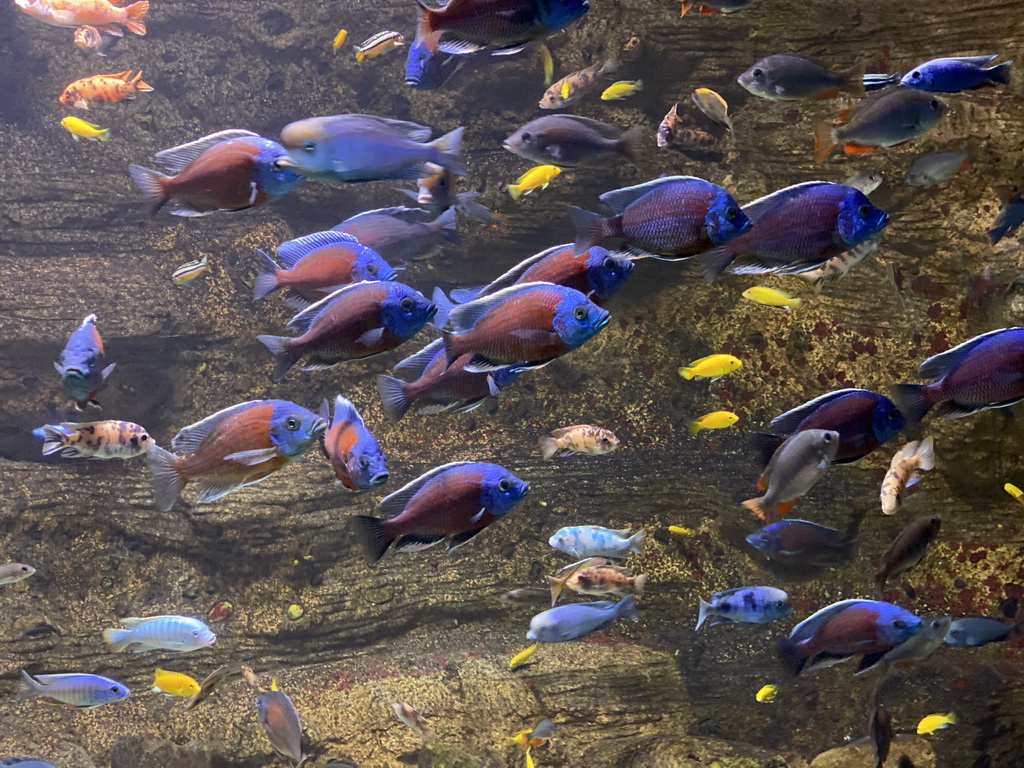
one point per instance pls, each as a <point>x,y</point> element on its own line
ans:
<point>167,633</point>
<point>25,762</point>
<point>568,622</point>
<point>75,690</point>
<point>583,541</point>
<point>747,605</point>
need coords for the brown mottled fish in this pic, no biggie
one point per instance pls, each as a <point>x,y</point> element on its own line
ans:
<point>582,438</point>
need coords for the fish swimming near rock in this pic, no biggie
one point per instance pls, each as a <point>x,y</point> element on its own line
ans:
<point>796,467</point>
<point>522,658</point>
<point>234,447</point>
<point>80,364</point>
<point>1011,216</point>
<point>582,438</point>
<point>713,420</point>
<point>920,646</point>
<point>621,90</point>
<point>570,140</point>
<point>100,14</point>
<point>569,622</point>
<point>401,234</point>
<point>542,732</point>
<point>73,690</point>
<point>794,76</point>
<point>179,634</point>
<point>906,469</point>
<point>769,297</point>
<point>976,631</point>
<point>538,177</point>
<point>671,131</point>
<point>188,272</point>
<point>174,683</point>
<point>803,542</point>
<point>379,44</point>
<point>958,73</point>
<point>907,549</point>
<point>412,719</point>
<point>80,129</point>
<point>104,89</point>
<point>715,108</point>
<point>745,605</point>
<point>231,170</point>
<point>90,39</point>
<point>94,439</point>
<point>353,451</point>
<point>932,723</point>
<point>12,573</point>
<point>452,503</point>
<point>582,541</point>
<point>575,86</point>
<point>714,7</point>
<point>355,322</point>
<point>598,579</point>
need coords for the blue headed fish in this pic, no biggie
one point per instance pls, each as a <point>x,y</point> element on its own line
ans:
<point>423,384</point>
<point>582,541</point>
<point>399,233</point>
<point>350,148</point>
<point>427,70</point>
<point>452,503</point>
<point>976,631</point>
<point>864,420</point>
<point>797,229</point>
<point>94,439</point>
<point>281,723</point>
<point>984,372</point>
<point>319,264</point>
<point>530,323</point>
<point>237,446</point>
<point>80,364</point>
<point>73,690</point>
<point>353,451</point>
<point>746,605</point>
<point>355,322</point>
<point>594,272</point>
<point>801,541</point>
<point>568,622</point>
<point>160,633</point>
<point>867,628</point>
<point>796,467</point>
<point>958,73</point>
<point>231,170</point>
<point>673,217</point>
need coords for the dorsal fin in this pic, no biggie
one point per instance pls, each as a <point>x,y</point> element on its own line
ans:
<point>464,316</point>
<point>305,318</point>
<point>413,131</point>
<point>786,423</point>
<point>393,504</point>
<point>189,439</point>
<point>415,215</point>
<point>619,199</point>
<point>606,130</point>
<point>344,410</point>
<point>754,210</point>
<point>516,272</point>
<point>292,252</point>
<point>937,366</point>
<point>175,159</point>
<point>413,367</point>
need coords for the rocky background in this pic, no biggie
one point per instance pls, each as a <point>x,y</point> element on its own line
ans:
<point>431,630</point>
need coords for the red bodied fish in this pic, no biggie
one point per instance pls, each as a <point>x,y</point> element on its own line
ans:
<point>352,449</point>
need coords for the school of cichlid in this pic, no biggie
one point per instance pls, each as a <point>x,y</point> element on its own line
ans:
<point>350,306</point>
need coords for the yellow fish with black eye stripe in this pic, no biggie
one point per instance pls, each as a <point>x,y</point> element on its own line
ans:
<point>188,272</point>
<point>380,43</point>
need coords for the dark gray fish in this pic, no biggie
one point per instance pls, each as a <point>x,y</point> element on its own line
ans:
<point>976,631</point>
<point>1011,216</point>
<point>907,549</point>
<point>794,76</point>
<point>400,234</point>
<point>569,140</point>
<point>804,542</point>
<point>799,463</point>
<point>880,730</point>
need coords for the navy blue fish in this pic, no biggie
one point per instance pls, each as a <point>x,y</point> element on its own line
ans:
<point>801,541</point>
<point>80,364</point>
<point>958,73</point>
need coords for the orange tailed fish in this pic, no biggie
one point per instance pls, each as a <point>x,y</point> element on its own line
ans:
<point>103,15</point>
<point>109,89</point>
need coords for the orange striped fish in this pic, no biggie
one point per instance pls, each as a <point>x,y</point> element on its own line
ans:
<point>101,14</point>
<point>104,88</point>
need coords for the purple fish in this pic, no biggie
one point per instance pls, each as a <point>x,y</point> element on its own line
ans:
<point>959,73</point>
<point>800,541</point>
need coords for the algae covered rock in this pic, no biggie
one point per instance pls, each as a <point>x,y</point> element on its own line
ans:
<point>861,754</point>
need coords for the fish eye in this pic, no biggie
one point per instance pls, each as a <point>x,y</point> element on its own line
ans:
<point>364,462</point>
<point>292,424</point>
<point>504,486</point>
<point>899,624</point>
<point>828,438</point>
<point>309,146</point>
<point>371,269</point>
<point>580,313</point>
<point>863,211</point>
<point>276,166</point>
<point>114,689</point>
<point>408,305</point>
<point>526,137</point>
<point>758,73</point>
<point>609,264</point>
<point>934,104</point>
<point>731,213</point>
<point>915,75</point>
<point>24,569</point>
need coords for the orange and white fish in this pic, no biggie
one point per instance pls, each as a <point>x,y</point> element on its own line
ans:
<point>907,467</point>
<point>94,439</point>
<point>90,39</point>
<point>104,88</point>
<point>102,14</point>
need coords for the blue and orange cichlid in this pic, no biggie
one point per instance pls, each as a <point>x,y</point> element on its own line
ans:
<point>453,502</point>
<point>80,364</point>
<point>231,170</point>
<point>984,372</point>
<point>354,322</point>
<point>670,218</point>
<point>797,229</point>
<point>422,384</point>
<point>595,272</point>
<point>235,447</point>
<point>531,324</point>
<point>353,451</point>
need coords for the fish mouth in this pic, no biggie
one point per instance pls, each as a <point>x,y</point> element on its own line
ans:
<point>380,478</point>
<point>431,310</point>
<point>526,489</point>
<point>412,81</point>
<point>284,161</point>
<point>319,427</point>
<point>604,321</point>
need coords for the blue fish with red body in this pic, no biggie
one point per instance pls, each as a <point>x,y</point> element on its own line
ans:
<point>452,503</point>
<point>867,628</point>
<point>354,322</point>
<point>353,451</point>
<point>985,372</point>
<point>958,73</point>
<point>864,420</point>
<point>797,229</point>
<point>529,324</point>
<point>237,446</point>
<point>670,218</point>
<point>80,364</point>
<point>595,272</point>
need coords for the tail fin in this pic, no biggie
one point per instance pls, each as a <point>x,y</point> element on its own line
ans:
<point>29,687</point>
<point>824,141</point>
<point>557,585</point>
<point>548,448</point>
<point>394,401</point>
<point>912,400</point>
<point>626,609</point>
<point>590,228</point>
<point>706,610</point>
<point>151,183</point>
<point>854,80</point>
<point>444,307</point>
<point>757,507</point>
<point>688,5</point>
<point>448,225</point>
<point>103,135</point>
<point>167,480</point>
<point>637,541</point>
<point>136,21</point>
<point>925,455</point>
<point>515,191</point>
<point>117,639</point>
<point>371,534</point>
<point>266,281</point>
<point>447,147</point>
<point>53,437</point>
<point>791,657</point>
<point>714,262</point>
<point>280,348</point>
<point>687,373</point>
<point>140,85</point>
<point>638,584</point>
<point>1000,73</point>
<point>694,426</point>
<point>629,144</point>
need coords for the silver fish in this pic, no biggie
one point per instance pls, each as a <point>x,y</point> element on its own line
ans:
<point>935,168</point>
<point>799,463</point>
<point>11,573</point>
<point>75,690</point>
<point>569,140</point>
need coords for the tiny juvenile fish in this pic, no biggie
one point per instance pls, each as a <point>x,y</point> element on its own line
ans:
<point>714,107</point>
<point>576,85</point>
<point>380,43</point>
<point>412,719</point>
<point>584,541</point>
<point>769,297</point>
<point>174,683</point>
<point>747,605</point>
<point>974,632</point>
<point>94,439</point>
<point>281,723</point>
<point>884,119</point>
<point>569,622</point>
<point>803,542</point>
<point>794,469</point>
<point>523,657</point>
<point>907,549</point>
<point>536,178</point>
<point>583,438</point>
<point>622,89</point>
<point>938,722</point>
<point>570,140</point>
<point>73,690</point>
<point>794,76</point>
<point>907,468</point>
<point>79,129</point>
<point>80,364</point>
<point>186,273</point>
<point>401,234</point>
<point>955,74</point>
<point>94,13</point>
<point>339,39</point>
<point>712,367</point>
<point>864,181</point>
<point>160,633</point>
<point>937,167</point>
<point>713,420</point>
<point>104,89</point>
<point>766,694</point>
<point>12,573</point>
<point>680,530</point>
<point>353,451</point>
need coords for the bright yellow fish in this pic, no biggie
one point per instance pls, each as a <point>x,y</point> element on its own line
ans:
<point>679,530</point>
<point>769,297</point>
<point>174,683</point>
<point>710,367</point>
<point>622,89</point>
<point>713,420</point>
<point>523,657</point>
<point>549,65</point>
<point>767,694</point>
<point>339,39</point>
<point>1014,491</point>
<point>529,760</point>
<point>933,723</point>
<point>537,177</point>
<point>188,272</point>
<point>83,130</point>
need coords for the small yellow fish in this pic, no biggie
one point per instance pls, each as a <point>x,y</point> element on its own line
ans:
<point>537,177</point>
<point>679,530</point>
<point>174,683</point>
<point>622,89</point>
<point>549,65</point>
<point>380,43</point>
<point>1014,491</point>
<point>339,39</point>
<point>188,272</point>
<point>933,723</point>
<point>713,420</point>
<point>529,760</point>
<point>83,130</point>
<point>767,694</point>
<point>769,297</point>
<point>710,367</point>
<point>521,658</point>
